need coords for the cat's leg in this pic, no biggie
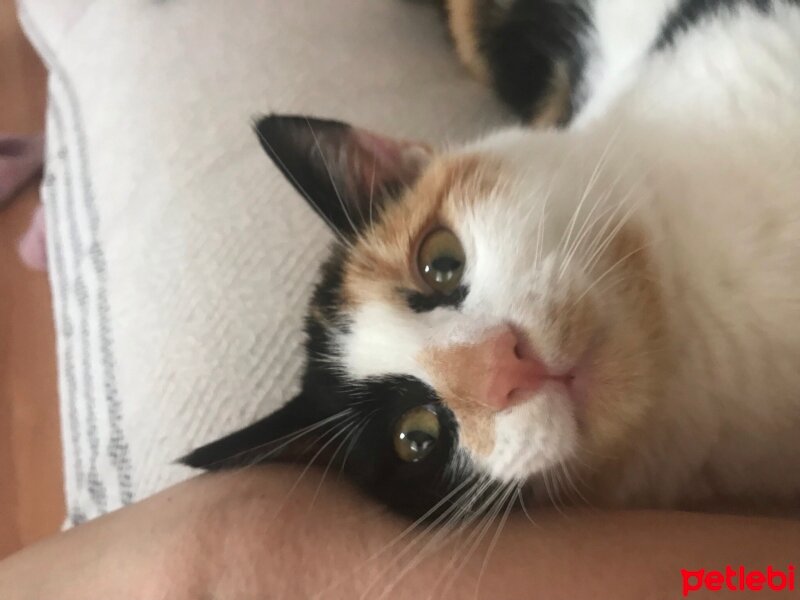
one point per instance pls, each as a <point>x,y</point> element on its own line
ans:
<point>531,51</point>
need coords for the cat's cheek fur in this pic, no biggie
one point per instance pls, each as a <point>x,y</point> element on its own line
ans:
<point>381,339</point>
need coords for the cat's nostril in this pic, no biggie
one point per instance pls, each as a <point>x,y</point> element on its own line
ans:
<point>523,349</point>
<point>512,369</point>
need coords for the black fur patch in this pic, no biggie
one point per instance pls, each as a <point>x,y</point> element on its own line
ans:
<point>421,303</point>
<point>523,44</point>
<point>691,12</point>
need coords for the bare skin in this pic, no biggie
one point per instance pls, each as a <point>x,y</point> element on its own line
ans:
<point>260,533</point>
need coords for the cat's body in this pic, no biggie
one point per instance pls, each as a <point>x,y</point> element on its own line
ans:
<point>642,259</point>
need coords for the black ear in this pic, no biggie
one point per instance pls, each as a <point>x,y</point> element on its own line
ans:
<point>344,173</point>
<point>288,435</point>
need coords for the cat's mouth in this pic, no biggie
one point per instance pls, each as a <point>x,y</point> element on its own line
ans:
<point>573,382</point>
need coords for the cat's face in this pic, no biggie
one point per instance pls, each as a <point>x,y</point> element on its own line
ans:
<point>490,316</point>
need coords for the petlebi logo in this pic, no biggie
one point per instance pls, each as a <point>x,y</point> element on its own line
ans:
<point>739,579</point>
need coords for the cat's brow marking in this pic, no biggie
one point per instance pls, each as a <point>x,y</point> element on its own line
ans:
<point>419,302</point>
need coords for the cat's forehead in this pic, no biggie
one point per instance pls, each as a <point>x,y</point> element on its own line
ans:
<point>379,262</point>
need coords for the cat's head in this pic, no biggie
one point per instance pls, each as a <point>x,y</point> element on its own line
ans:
<point>488,316</point>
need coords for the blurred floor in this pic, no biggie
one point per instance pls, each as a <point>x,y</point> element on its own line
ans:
<point>31,497</point>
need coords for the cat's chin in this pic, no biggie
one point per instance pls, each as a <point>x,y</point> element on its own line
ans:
<point>534,435</point>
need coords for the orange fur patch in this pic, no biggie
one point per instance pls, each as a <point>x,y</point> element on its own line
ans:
<point>634,361</point>
<point>552,110</point>
<point>458,374</point>
<point>630,253</point>
<point>463,17</point>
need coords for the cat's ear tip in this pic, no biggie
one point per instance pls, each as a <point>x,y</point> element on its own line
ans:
<point>210,457</point>
<point>294,120</point>
<point>268,119</point>
<point>184,461</point>
<point>277,126</point>
<point>191,460</point>
<point>290,134</point>
<point>276,132</point>
<point>263,122</point>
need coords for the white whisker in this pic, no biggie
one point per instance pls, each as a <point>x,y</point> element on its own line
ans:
<point>593,178</point>
<point>330,176</point>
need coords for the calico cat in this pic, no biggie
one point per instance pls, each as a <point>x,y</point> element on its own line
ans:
<point>605,308</point>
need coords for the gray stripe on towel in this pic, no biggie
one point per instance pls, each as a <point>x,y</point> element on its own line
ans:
<point>50,199</point>
<point>118,445</point>
<point>97,490</point>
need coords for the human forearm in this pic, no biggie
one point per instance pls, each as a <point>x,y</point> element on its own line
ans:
<point>252,534</point>
<point>337,544</point>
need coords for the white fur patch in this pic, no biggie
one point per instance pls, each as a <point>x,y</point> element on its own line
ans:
<point>383,341</point>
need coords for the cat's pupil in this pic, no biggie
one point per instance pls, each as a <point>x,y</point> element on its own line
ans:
<point>416,434</point>
<point>444,268</point>
<point>419,443</point>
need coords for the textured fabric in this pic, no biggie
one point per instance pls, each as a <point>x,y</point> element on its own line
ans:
<point>180,260</point>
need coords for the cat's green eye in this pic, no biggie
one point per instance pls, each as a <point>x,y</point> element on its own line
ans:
<point>416,434</point>
<point>440,261</point>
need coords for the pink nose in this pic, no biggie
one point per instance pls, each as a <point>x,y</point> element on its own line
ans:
<point>511,369</point>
